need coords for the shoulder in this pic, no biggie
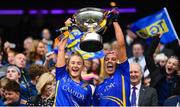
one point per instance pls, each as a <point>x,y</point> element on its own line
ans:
<point>130,59</point>
<point>149,89</point>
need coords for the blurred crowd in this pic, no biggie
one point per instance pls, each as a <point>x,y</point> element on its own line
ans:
<point>28,77</point>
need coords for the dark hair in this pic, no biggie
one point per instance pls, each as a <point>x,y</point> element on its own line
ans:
<point>36,70</point>
<point>140,43</point>
<point>12,86</point>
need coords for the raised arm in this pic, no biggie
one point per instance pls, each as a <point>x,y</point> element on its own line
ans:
<point>121,42</point>
<point>61,53</point>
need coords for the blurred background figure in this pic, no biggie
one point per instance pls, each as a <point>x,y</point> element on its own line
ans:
<point>46,38</point>
<point>161,59</point>
<point>129,40</point>
<point>138,56</point>
<point>38,51</point>
<point>28,43</point>
<point>12,94</point>
<point>46,91</point>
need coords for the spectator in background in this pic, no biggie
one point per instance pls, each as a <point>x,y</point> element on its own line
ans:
<point>161,59</point>
<point>130,37</point>
<point>28,42</point>
<point>96,66</point>
<point>138,56</point>
<point>13,73</point>
<point>37,55</point>
<point>46,38</point>
<point>174,100</point>
<point>3,83</point>
<point>20,61</point>
<point>140,94</point>
<point>8,46</point>
<point>46,91</point>
<point>35,71</point>
<point>163,79</point>
<point>106,47</point>
<point>1,95</point>
<point>12,94</point>
<point>10,57</point>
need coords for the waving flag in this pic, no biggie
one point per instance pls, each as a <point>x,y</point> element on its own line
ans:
<point>74,37</point>
<point>73,45</point>
<point>159,22</point>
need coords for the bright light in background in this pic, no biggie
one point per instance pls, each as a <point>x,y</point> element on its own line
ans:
<point>112,4</point>
<point>57,11</point>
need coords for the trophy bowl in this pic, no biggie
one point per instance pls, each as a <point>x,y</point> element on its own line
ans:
<point>91,20</point>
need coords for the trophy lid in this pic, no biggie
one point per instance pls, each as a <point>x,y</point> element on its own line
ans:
<point>90,18</point>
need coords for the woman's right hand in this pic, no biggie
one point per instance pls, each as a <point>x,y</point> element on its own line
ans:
<point>62,44</point>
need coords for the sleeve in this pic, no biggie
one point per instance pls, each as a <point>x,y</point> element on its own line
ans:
<point>123,69</point>
<point>61,72</point>
<point>149,55</point>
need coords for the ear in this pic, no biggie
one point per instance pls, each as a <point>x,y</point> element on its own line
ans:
<point>37,78</point>
<point>19,75</point>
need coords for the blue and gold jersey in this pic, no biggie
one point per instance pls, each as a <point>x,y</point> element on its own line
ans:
<point>115,90</point>
<point>69,92</point>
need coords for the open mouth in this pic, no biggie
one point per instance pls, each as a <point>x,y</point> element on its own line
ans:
<point>75,69</point>
<point>169,69</point>
<point>110,67</point>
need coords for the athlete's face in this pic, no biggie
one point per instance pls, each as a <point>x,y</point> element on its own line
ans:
<point>75,66</point>
<point>110,63</point>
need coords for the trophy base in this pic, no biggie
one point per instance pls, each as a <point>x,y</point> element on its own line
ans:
<point>91,46</point>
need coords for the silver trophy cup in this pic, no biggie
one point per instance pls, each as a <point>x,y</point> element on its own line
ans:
<point>91,21</point>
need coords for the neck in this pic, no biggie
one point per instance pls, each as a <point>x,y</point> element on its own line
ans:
<point>76,79</point>
<point>134,84</point>
<point>168,77</point>
<point>38,57</point>
<point>33,82</point>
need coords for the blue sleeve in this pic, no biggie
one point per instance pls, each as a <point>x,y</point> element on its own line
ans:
<point>61,72</point>
<point>2,103</point>
<point>123,68</point>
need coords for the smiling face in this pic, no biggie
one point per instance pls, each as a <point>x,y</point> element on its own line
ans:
<point>171,65</point>
<point>135,73</point>
<point>110,63</point>
<point>75,66</point>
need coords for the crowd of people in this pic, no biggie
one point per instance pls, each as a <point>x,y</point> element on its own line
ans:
<point>132,73</point>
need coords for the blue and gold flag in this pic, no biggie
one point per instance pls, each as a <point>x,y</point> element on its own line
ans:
<point>157,23</point>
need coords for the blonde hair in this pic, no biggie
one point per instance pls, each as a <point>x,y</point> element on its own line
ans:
<point>44,79</point>
<point>160,57</point>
